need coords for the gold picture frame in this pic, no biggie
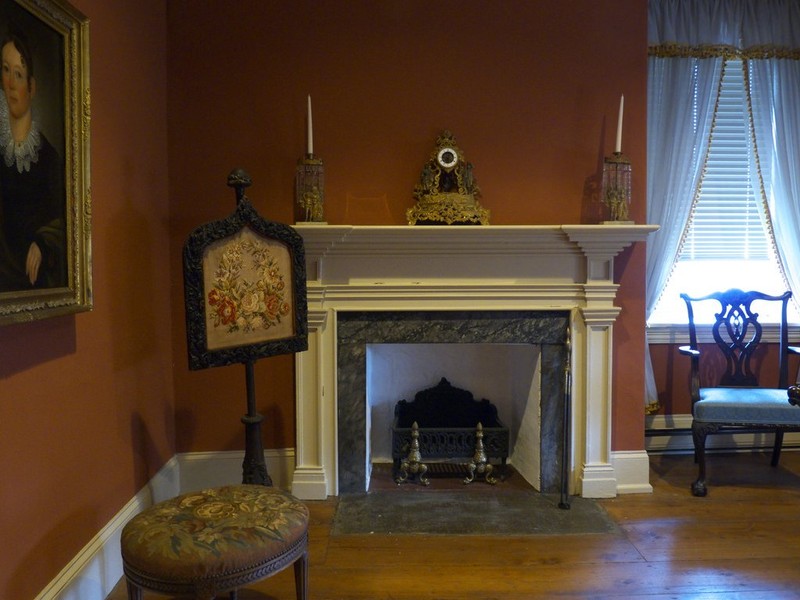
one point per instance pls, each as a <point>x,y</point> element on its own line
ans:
<point>244,287</point>
<point>45,203</point>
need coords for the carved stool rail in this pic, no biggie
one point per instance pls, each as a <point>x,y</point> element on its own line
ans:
<point>216,540</point>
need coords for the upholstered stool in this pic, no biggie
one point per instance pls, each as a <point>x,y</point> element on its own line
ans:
<point>216,540</point>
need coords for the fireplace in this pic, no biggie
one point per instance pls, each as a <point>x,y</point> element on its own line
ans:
<point>513,284</point>
<point>355,330</point>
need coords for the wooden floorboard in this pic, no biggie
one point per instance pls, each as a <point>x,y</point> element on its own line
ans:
<point>740,542</point>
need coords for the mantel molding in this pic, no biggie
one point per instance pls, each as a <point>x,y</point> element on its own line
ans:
<point>607,239</point>
<point>601,240</point>
<point>447,268</point>
<point>327,246</point>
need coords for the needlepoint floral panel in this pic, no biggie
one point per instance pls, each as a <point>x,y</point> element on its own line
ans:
<point>244,289</point>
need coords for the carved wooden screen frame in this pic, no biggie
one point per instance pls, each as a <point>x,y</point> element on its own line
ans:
<point>231,318</point>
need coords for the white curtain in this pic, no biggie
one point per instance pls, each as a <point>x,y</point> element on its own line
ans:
<point>687,42</point>
<point>682,90</point>
<point>771,40</point>
<point>680,103</point>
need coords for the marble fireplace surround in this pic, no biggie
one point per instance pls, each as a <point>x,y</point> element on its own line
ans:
<point>545,329</point>
<point>482,271</point>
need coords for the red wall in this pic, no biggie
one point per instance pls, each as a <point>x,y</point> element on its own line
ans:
<point>529,89</point>
<point>182,92</point>
<point>87,412</point>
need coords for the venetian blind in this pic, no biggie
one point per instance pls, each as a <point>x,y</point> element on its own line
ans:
<point>727,222</point>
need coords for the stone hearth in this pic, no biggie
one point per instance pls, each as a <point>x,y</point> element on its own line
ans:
<point>529,283</point>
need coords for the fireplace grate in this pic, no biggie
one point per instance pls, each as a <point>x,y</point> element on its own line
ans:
<point>447,418</point>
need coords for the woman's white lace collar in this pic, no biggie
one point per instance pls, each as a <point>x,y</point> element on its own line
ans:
<point>23,153</point>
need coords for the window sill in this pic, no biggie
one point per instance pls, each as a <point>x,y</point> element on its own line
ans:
<point>678,333</point>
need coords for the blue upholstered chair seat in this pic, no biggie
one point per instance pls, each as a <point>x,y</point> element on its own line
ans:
<point>739,400</point>
<point>746,406</point>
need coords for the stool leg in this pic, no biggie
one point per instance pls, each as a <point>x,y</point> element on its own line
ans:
<point>134,591</point>
<point>301,576</point>
<point>234,595</point>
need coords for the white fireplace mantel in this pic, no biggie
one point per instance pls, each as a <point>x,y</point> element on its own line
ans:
<point>434,268</point>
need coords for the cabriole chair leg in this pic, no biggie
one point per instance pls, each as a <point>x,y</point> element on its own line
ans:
<point>776,449</point>
<point>699,437</point>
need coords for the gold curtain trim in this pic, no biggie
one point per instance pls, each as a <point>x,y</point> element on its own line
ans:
<point>761,188</point>
<point>698,189</point>
<point>726,51</point>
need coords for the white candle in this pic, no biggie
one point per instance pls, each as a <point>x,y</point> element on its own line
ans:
<point>618,147</point>
<point>310,128</point>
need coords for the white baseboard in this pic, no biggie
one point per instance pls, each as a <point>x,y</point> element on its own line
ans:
<point>598,480</point>
<point>97,568</point>
<point>310,483</point>
<point>211,469</point>
<point>632,468</point>
<point>722,441</point>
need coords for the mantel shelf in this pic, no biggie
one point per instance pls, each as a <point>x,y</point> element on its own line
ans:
<point>324,239</point>
<point>599,244</point>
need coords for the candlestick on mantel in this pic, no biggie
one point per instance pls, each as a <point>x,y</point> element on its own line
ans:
<point>310,180</point>
<point>310,145</point>
<point>618,147</point>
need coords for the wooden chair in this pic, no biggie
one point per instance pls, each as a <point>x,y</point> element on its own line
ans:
<point>738,401</point>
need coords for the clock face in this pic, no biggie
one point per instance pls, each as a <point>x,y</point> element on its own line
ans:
<point>447,158</point>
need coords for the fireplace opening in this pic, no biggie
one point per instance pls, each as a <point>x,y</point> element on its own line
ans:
<point>371,347</point>
<point>507,375</point>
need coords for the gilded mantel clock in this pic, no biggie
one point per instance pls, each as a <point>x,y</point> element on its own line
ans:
<point>447,193</point>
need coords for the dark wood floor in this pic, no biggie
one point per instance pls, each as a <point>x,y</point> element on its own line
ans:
<point>740,542</point>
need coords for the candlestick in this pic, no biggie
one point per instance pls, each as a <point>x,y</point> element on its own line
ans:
<point>618,147</point>
<point>617,187</point>
<point>310,129</point>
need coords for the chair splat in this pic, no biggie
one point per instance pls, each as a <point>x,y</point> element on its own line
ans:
<point>738,399</point>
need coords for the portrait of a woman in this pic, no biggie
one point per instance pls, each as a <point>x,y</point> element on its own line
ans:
<point>32,209</point>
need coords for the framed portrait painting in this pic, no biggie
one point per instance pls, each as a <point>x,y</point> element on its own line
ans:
<point>45,208</point>
<point>244,288</point>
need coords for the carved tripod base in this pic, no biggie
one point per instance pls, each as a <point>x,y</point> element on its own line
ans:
<point>480,463</point>
<point>412,465</point>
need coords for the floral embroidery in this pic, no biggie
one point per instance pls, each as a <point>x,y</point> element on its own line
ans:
<point>216,521</point>
<point>216,510</point>
<point>239,304</point>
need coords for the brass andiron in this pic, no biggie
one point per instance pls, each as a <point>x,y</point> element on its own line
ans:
<point>480,463</point>
<point>413,464</point>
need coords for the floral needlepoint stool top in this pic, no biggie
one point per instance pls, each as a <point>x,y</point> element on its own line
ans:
<point>216,540</point>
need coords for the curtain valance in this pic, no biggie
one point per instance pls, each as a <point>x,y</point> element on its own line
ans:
<point>711,28</point>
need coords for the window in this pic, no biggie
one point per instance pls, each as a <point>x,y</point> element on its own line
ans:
<point>728,237</point>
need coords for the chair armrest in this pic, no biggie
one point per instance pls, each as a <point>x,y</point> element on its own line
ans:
<point>794,395</point>
<point>694,383</point>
